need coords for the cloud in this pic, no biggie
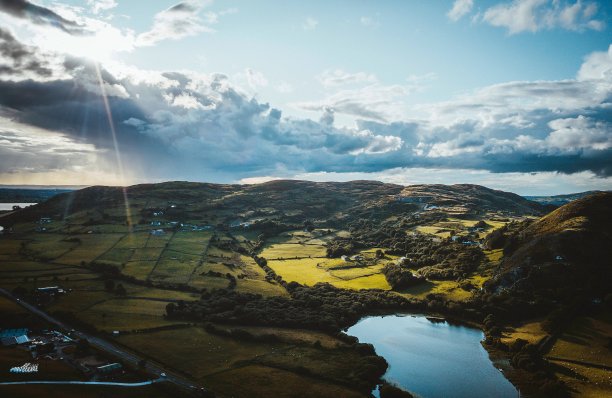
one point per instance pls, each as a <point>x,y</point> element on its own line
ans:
<point>20,61</point>
<point>310,24</point>
<point>98,6</point>
<point>36,150</point>
<point>250,79</point>
<point>374,102</point>
<point>369,22</point>
<point>338,77</point>
<point>535,15</point>
<point>205,127</point>
<point>597,66</point>
<point>40,15</point>
<point>542,183</point>
<point>579,134</point>
<point>361,95</point>
<point>284,87</point>
<point>460,9</point>
<point>179,21</point>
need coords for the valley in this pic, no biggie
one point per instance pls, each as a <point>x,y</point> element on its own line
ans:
<point>258,283</point>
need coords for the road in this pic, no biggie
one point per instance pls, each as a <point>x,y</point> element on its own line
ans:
<point>93,383</point>
<point>111,348</point>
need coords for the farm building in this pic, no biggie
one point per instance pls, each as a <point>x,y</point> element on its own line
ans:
<point>158,232</point>
<point>51,290</point>
<point>14,336</point>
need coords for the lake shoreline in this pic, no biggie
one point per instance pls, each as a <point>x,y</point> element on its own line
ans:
<point>440,338</point>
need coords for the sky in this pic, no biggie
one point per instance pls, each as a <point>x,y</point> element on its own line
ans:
<point>511,94</point>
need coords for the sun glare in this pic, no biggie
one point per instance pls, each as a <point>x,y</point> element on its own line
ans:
<point>100,46</point>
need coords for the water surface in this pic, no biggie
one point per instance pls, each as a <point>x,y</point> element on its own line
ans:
<point>9,206</point>
<point>434,359</point>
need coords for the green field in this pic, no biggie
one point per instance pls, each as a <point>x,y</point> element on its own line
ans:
<point>91,247</point>
<point>194,351</point>
<point>292,250</point>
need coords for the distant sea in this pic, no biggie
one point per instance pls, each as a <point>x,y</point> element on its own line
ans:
<point>9,206</point>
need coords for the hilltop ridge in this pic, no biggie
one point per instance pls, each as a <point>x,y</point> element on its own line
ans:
<point>286,200</point>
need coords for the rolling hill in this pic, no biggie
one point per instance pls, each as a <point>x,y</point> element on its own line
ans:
<point>287,201</point>
<point>566,250</point>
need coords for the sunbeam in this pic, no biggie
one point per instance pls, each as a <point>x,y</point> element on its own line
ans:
<point>111,125</point>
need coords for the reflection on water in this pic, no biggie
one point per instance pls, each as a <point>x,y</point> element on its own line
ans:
<point>433,359</point>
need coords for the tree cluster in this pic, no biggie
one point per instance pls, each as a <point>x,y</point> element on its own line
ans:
<point>322,307</point>
<point>400,277</point>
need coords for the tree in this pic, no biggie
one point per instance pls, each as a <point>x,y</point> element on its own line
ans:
<point>379,253</point>
<point>120,290</point>
<point>109,285</point>
<point>82,347</point>
<point>20,291</point>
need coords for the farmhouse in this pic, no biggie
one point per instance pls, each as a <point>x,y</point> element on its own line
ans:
<point>158,232</point>
<point>44,220</point>
<point>50,291</point>
<point>14,336</point>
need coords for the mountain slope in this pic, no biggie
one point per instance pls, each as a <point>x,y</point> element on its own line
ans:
<point>563,254</point>
<point>286,201</point>
<point>472,198</point>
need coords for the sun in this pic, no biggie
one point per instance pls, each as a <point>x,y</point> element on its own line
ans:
<point>100,45</point>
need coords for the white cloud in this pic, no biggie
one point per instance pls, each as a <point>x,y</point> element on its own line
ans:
<point>460,9</point>
<point>258,180</point>
<point>597,66</point>
<point>542,183</point>
<point>310,24</point>
<point>178,21</point>
<point>373,102</point>
<point>250,80</point>
<point>361,95</point>
<point>378,143</point>
<point>534,15</point>
<point>101,5</point>
<point>284,87</point>
<point>339,77</point>
<point>580,133</point>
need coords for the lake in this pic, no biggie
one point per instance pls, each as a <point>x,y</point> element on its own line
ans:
<point>433,359</point>
<point>9,206</point>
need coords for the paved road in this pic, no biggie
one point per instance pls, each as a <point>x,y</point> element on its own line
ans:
<point>93,383</point>
<point>104,345</point>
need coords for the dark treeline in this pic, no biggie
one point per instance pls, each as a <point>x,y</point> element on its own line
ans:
<point>322,307</point>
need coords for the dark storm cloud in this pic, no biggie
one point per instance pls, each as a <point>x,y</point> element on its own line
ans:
<point>40,16</point>
<point>21,58</point>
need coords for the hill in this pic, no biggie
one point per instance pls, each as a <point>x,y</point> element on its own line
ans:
<point>283,201</point>
<point>469,198</point>
<point>559,200</point>
<point>564,254</point>
<point>29,195</point>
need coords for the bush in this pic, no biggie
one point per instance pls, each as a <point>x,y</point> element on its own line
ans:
<point>390,391</point>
